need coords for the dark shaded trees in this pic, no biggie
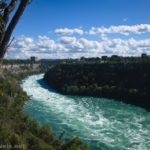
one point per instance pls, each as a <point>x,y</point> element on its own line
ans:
<point>8,23</point>
<point>127,82</point>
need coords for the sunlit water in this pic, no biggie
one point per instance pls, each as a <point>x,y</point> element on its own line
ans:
<point>103,124</point>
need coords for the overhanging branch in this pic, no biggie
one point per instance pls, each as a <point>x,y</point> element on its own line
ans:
<point>8,10</point>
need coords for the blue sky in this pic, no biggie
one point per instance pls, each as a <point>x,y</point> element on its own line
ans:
<point>46,15</point>
<point>43,17</point>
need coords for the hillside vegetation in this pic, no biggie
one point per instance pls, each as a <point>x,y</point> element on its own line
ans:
<point>127,82</point>
<point>17,131</point>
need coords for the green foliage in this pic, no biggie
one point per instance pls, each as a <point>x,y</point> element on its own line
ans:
<point>74,144</point>
<point>45,134</point>
<point>17,129</point>
<point>2,22</point>
<point>128,82</point>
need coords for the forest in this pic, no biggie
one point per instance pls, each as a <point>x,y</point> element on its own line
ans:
<point>127,82</point>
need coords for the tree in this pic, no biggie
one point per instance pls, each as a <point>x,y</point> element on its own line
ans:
<point>7,23</point>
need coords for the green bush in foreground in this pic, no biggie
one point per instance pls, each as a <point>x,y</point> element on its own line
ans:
<point>20,132</point>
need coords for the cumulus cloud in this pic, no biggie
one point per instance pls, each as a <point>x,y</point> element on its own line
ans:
<point>67,31</point>
<point>48,45</point>
<point>67,39</point>
<point>73,47</point>
<point>68,45</point>
<point>42,47</point>
<point>122,29</point>
<point>81,44</point>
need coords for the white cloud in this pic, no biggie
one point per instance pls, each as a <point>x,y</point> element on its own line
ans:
<point>44,43</point>
<point>67,31</point>
<point>42,47</point>
<point>67,39</point>
<point>23,42</point>
<point>67,46</point>
<point>73,47</point>
<point>122,29</point>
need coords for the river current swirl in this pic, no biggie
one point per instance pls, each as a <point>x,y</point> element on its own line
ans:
<point>103,124</point>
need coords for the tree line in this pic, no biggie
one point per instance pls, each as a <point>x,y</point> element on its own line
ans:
<point>127,82</point>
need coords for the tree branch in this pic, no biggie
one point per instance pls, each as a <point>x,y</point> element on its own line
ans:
<point>8,10</point>
<point>11,26</point>
<point>8,45</point>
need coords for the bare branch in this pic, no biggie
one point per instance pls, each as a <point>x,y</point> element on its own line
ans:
<point>8,45</point>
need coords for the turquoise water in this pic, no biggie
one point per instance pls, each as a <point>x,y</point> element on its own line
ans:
<point>104,124</point>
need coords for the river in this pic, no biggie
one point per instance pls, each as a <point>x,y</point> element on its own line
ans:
<point>103,124</point>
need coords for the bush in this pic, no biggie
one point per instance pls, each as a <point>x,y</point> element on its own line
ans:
<point>15,127</point>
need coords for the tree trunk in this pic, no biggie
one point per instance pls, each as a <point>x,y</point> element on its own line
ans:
<point>7,35</point>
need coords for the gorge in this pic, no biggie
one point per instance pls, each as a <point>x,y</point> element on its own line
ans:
<point>102,123</point>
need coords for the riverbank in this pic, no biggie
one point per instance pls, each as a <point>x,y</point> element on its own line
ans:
<point>17,130</point>
<point>102,123</point>
<point>128,83</point>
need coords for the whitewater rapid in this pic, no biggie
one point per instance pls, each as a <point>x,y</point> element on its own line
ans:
<point>104,124</point>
